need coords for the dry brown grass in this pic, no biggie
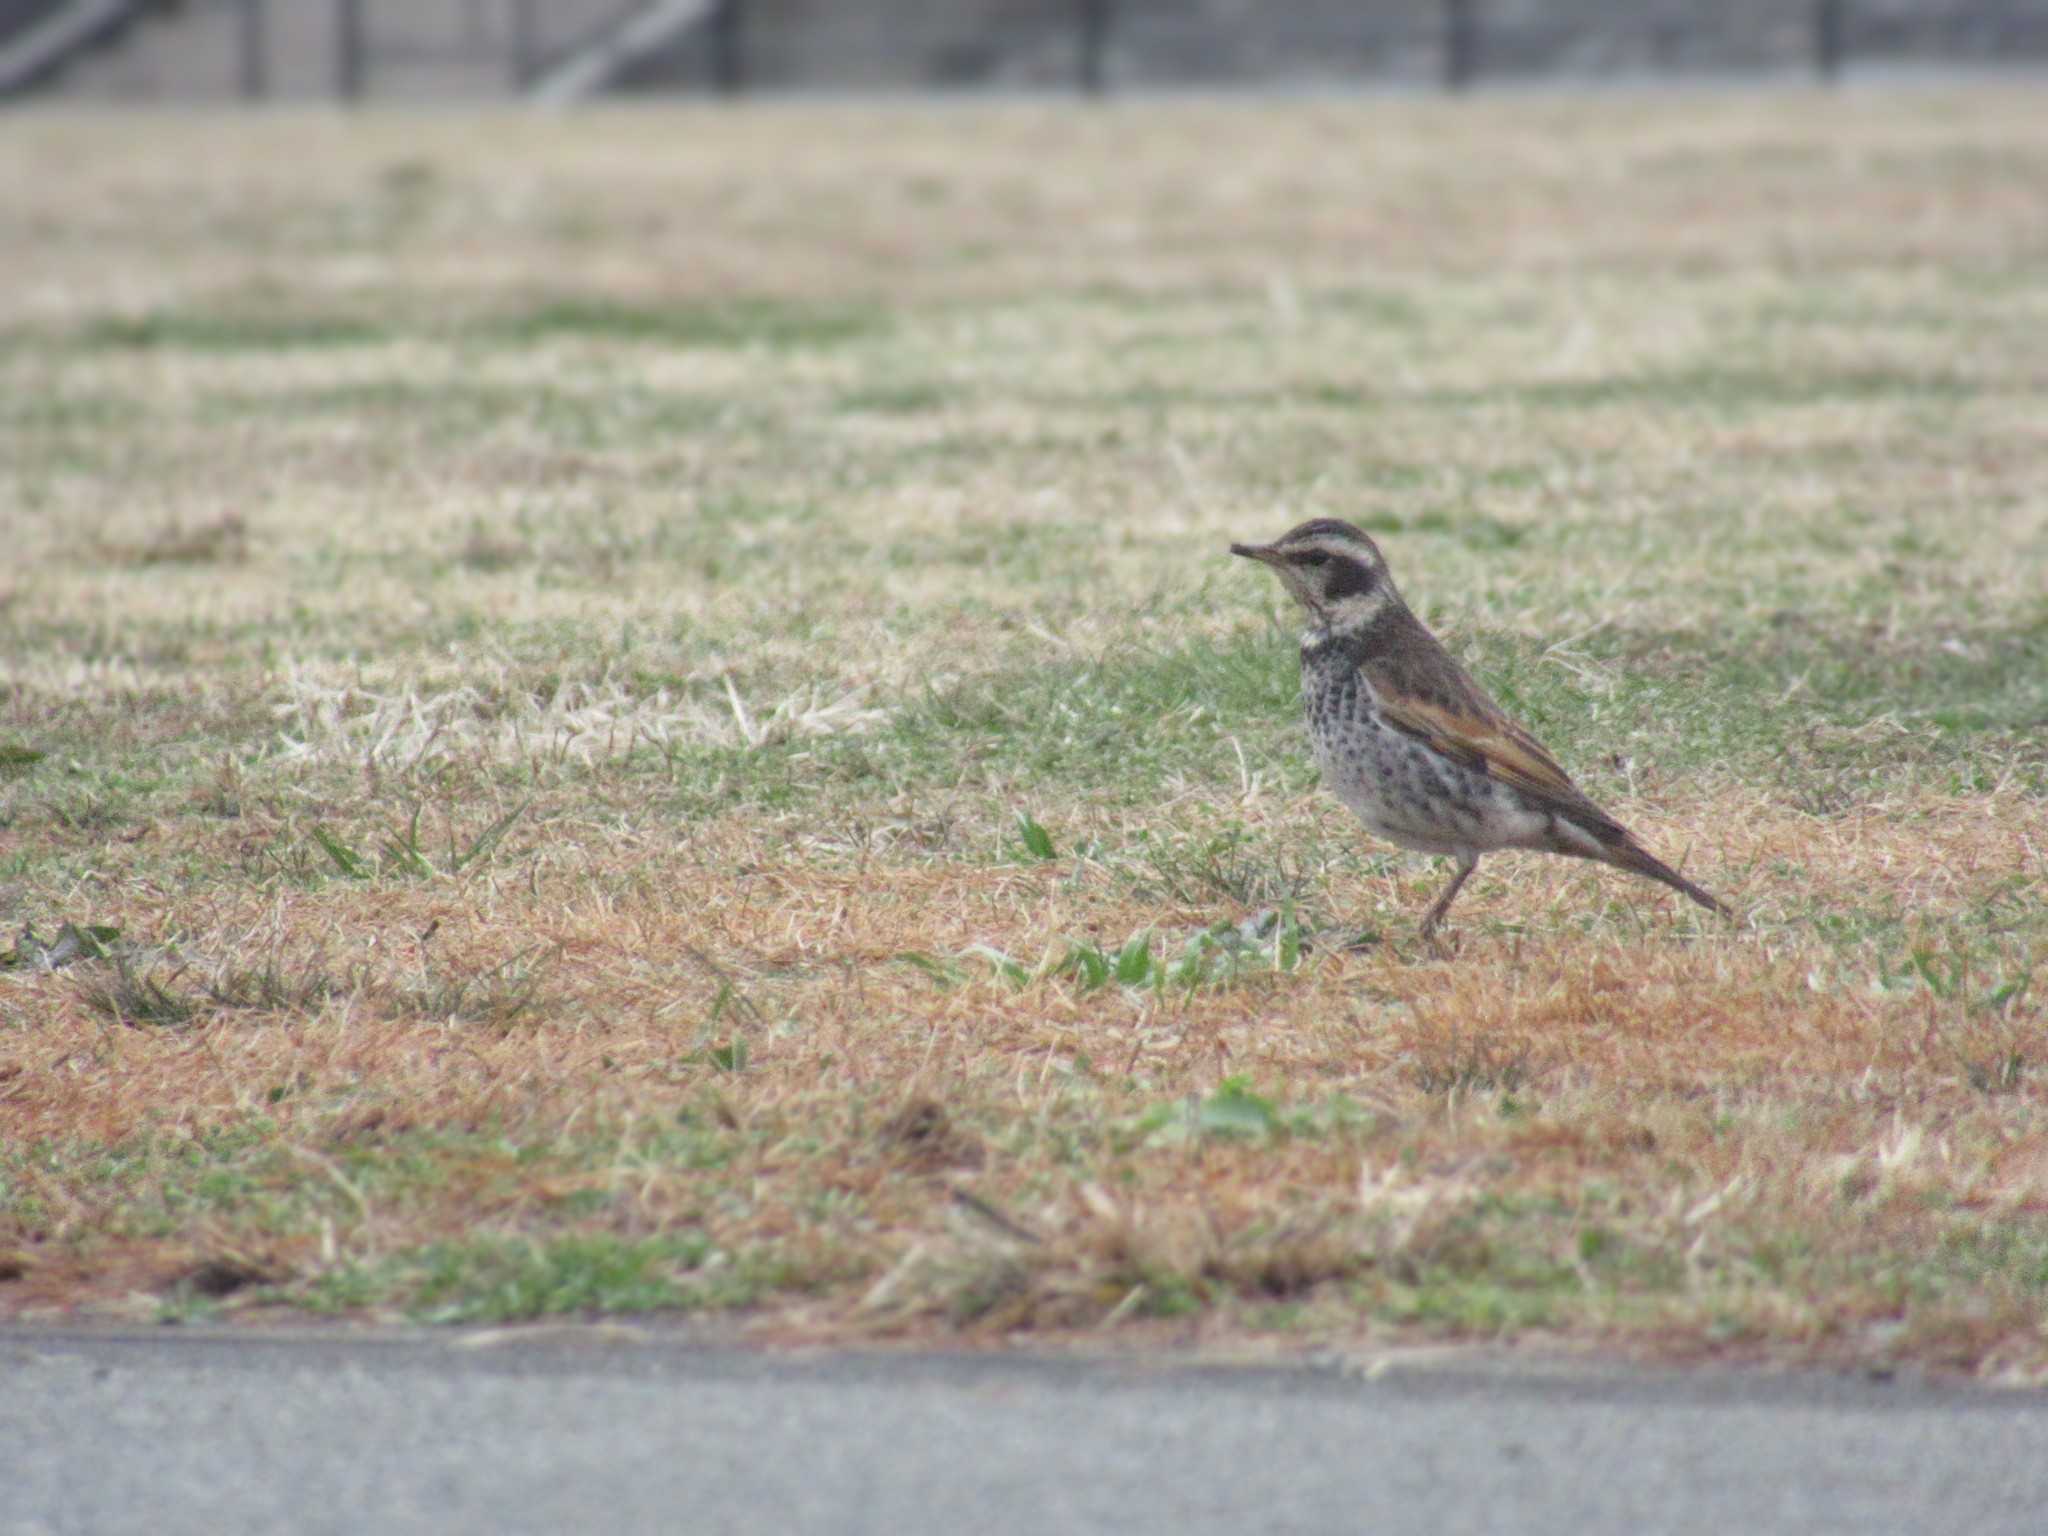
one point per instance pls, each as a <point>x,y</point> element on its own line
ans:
<point>1692,1100</point>
<point>537,636</point>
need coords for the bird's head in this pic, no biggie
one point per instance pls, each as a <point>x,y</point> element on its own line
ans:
<point>1330,568</point>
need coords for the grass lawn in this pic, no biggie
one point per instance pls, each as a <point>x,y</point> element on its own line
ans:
<point>646,711</point>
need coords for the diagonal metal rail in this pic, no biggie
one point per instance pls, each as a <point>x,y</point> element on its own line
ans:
<point>47,46</point>
<point>593,67</point>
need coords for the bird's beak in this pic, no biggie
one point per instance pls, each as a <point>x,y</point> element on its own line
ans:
<point>1261,552</point>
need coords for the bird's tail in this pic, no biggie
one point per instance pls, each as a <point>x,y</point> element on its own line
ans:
<point>1631,856</point>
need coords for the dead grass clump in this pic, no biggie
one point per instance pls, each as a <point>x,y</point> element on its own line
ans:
<point>270,987</point>
<point>501,996</point>
<point>214,1278</point>
<point>1452,1063</point>
<point>923,1136</point>
<point>1093,1259</point>
<point>499,721</point>
<point>1292,1260</point>
<point>2002,1071</point>
<point>127,993</point>
<point>223,540</point>
<point>488,552</point>
<point>142,988</point>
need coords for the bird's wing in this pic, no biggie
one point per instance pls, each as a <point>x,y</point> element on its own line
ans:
<point>1445,710</point>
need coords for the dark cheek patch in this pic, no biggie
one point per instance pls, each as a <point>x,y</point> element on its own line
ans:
<point>1349,578</point>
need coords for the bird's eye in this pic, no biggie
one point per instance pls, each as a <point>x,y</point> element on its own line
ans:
<point>1314,557</point>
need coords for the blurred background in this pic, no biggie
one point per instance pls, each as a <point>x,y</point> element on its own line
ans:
<point>194,50</point>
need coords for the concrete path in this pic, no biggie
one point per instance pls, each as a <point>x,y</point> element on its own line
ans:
<point>613,1431</point>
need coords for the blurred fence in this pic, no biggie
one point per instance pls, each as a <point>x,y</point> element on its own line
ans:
<point>563,48</point>
<point>1101,45</point>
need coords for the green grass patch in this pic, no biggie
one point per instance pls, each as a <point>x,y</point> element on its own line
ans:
<point>515,1279</point>
<point>227,330</point>
<point>774,324</point>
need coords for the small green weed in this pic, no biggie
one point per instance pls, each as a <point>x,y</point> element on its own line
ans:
<point>1218,956</point>
<point>486,1280</point>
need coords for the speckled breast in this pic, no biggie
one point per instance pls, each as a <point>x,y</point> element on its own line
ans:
<point>1396,785</point>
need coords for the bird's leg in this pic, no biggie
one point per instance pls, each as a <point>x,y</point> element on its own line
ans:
<point>1466,864</point>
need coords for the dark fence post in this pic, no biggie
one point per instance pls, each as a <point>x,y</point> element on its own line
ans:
<point>524,49</point>
<point>728,48</point>
<point>1461,43</point>
<point>1830,37</point>
<point>348,48</point>
<point>1667,37</point>
<point>1094,40</point>
<point>252,51</point>
<point>2002,28</point>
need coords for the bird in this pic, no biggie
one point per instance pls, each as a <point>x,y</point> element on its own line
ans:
<point>1411,743</point>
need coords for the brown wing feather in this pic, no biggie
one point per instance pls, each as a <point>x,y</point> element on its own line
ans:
<point>1421,690</point>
